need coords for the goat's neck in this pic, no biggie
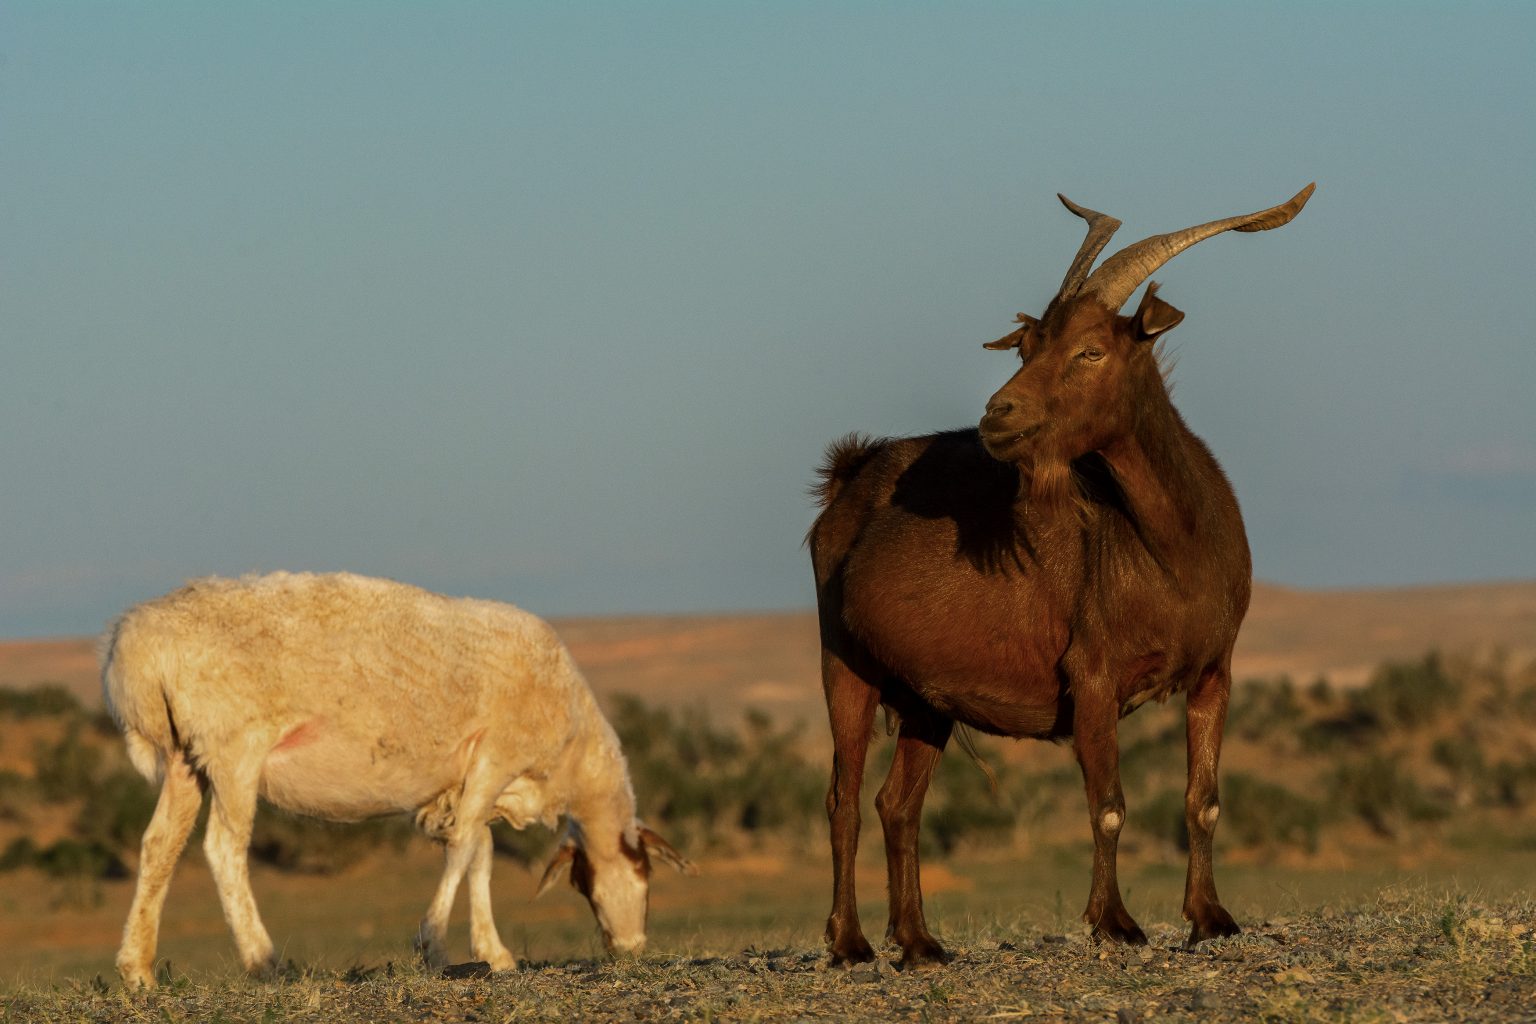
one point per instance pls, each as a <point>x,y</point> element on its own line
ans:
<point>1172,486</point>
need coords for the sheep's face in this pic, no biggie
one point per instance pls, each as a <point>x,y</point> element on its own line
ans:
<point>616,886</point>
<point>619,894</point>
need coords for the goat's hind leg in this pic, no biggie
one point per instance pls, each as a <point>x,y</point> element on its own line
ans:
<point>851,703</point>
<point>181,796</point>
<point>919,746</point>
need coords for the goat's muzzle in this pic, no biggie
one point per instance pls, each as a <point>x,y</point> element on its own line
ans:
<point>1004,437</point>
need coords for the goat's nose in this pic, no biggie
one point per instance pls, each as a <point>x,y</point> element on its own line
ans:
<point>999,406</point>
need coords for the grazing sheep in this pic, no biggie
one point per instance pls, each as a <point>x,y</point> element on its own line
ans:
<point>344,697</point>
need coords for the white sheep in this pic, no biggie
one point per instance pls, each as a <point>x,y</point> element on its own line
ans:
<point>344,697</point>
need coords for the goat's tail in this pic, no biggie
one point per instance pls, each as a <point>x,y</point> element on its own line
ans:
<point>845,458</point>
<point>133,686</point>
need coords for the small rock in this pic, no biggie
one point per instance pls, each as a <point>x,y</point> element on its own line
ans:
<point>1125,1016</point>
<point>1205,999</point>
<point>1053,940</point>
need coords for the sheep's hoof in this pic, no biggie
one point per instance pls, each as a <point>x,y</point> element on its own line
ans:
<point>136,978</point>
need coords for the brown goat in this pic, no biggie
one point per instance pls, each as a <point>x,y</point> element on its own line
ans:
<point>1079,554</point>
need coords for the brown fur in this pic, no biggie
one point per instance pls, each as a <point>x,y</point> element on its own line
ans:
<point>1041,576</point>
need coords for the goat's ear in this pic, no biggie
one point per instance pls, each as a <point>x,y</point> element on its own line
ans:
<point>1017,338</point>
<point>1154,316</point>
<point>559,866</point>
<point>664,852</point>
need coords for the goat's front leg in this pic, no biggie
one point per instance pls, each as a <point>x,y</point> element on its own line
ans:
<point>919,746</point>
<point>227,843</point>
<point>851,703</point>
<point>1095,730</point>
<point>483,940</point>
<point>1205,715</point>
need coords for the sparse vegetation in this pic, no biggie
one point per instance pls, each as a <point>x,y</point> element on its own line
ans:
<point>1422,747</point>
<point>1422,955</point>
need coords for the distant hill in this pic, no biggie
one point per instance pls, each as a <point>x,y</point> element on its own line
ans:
<point>727,663</point>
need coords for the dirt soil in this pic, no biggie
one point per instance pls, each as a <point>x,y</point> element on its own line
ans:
<point>1413,958</point>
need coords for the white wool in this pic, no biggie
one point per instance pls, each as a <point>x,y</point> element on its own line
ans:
<point>345,697</point>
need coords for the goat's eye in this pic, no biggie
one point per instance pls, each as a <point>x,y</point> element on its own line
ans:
<point>1092,355</point>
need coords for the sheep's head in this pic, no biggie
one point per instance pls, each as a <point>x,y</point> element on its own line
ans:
<point>615,879</point>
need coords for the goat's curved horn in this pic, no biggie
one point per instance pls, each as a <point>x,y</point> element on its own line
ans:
<point>1100,227</point>
<point>1123,273</point>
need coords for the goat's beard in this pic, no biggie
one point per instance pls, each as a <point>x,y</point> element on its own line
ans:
<point>1051,482</point>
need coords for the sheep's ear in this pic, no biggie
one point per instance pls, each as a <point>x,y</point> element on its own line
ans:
<point>559,866</point>
<point>664,851</point>
<point>1015,339</point>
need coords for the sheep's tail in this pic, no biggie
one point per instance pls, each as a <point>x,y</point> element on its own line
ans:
<point>132,685</point>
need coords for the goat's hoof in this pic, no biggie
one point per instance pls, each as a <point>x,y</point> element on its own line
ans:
<point>847,952</point>
<point>1118,926</point>
<point>1213,923</point>
<point>923,955</point>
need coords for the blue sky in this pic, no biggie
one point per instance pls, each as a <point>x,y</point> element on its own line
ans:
<point>560,303</point>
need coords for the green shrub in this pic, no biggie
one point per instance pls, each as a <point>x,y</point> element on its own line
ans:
<point>1162,817</point>
<point>16,793</point>
<point>1260,709</point>
<point>1256,812</point>
<point>312,846</point>
<point>1378,790</point>
<point>963,808</point>
<point>20,853</point>
<point>76,858</point>
<point>1510,784</point>
<point>1408,694</point>
<point>698,780</point>
<point>45,700</point>
<point>117,810</point>
<point>68,768</point>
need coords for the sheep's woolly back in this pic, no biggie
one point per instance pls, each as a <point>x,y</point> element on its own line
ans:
<point>385,693</point>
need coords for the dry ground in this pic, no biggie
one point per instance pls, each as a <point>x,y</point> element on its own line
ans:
<point>1406,953</point>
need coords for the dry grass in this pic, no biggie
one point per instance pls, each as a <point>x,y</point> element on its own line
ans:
<point>1397,956</point>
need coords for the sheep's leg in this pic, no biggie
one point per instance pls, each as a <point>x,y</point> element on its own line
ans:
<point>458,853</point>
<point>464,836</point>
<point>1095,723</point>
<point>851,703</point>
<point>1205,714</point>
<point>181,796</point>
<point>919,746</point>
<point>483,940</point>
<point>227,845</point>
